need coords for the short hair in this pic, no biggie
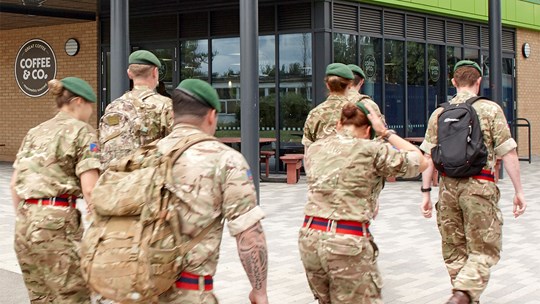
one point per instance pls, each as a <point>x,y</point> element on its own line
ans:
<point>184,104</point>
<point>466,76</point>
<point>141,70</point>
<point>337,84</point>
<point>352,115</point>
<point>357,79</point>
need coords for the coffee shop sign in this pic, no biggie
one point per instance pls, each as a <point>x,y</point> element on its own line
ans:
<point>34,67</point>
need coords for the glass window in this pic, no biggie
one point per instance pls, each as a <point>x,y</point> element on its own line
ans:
<point>194,59</point>
<point>371,62</point>
<point>345,48</point>
<point>267,86</point>
<point>394,85</point>
<point>294,88</point>
<point>416,89</point>
<point>453,55</point>
<point>226,80</point>
<point>436,79</point>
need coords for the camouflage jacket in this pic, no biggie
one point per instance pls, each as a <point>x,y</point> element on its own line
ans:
<point>136,118</point>
<point>496,132</point>
<point>322,120</point>
<point>345,175</point>
<point>354,97</point>
<point>212,180</point>
<point>52,157</point>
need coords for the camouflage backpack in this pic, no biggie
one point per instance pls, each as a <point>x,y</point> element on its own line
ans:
<point>133,250</point>
<point>124,126</point>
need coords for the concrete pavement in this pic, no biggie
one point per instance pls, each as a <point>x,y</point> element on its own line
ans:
<point>410,258</point>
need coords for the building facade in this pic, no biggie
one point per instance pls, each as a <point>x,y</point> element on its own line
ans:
<point>407,49</point>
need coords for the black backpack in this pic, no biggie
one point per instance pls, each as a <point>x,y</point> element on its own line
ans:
<point>460,151</point>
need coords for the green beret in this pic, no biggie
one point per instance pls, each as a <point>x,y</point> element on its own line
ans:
<point>202,91</point>
<point>80,88</point>
<point>357,70</point>
<point>144,57</point>
<point>366,111</point>
<point>464,63</point>
<point>339,69</point>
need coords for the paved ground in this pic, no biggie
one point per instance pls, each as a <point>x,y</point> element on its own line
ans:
<point>409,259</point>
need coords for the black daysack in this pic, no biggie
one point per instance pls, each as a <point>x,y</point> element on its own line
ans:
<point>460,151</point>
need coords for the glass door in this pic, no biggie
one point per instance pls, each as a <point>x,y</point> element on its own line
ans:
<point>168,73</point>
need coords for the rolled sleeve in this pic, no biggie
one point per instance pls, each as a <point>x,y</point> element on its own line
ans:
<point>413,164</point>
<point>87,164</point>
<point>245,220</point>
<point>426,146</point>
<point>505,147</point>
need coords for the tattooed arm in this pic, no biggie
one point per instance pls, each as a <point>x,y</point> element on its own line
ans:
<point>254,257</point>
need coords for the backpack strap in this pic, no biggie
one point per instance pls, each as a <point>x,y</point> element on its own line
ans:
<point>474,99</point>
<point>197,239</point>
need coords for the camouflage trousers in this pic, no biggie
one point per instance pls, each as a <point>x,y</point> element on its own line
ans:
<point>470,223</point>
<point>340,268</point>
<point>172,296</point>
<point>46,244</point>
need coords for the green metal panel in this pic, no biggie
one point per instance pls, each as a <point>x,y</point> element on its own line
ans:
<point>517,13</point>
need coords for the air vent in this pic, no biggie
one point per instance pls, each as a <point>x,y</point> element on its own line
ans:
<point>194,25</point>
<point>454,32</point>
<point>294,16</point>
<point>484,38</point>
<point>370,21</point>
<point>147,29</point>
<point>345,17</point>
<point>266,19</point>
<point>435,30</point>
<point>225,22</point>
<point>508,41</point>
<point>394,24</point>
<point>416,27</point>
<point>471,35</point>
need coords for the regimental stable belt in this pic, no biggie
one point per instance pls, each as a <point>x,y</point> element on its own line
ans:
<point>342,226</point>
<point>63,200</point>
<point>192,281</point>
<point>484,174</point>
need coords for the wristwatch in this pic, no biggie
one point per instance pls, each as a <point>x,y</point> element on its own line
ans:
<point>387,134</point>
<point>425,189</point>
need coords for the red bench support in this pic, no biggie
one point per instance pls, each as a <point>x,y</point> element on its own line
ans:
<point>265,159</point>
<point>293,163</point>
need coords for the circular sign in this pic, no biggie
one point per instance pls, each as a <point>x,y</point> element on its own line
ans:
<point>434,70</point>
<point>34,67</point>
<point>370,66</point>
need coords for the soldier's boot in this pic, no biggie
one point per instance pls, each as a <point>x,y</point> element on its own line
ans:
<point>459,297</point>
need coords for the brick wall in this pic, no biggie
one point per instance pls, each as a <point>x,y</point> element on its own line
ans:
<point>528,89</point>
<point>18,112</point>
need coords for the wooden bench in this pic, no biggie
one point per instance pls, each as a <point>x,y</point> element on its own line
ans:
<point>265,159</point>
<point>293,163</point>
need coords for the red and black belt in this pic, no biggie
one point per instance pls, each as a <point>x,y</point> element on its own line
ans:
<point>484,174</point>
<point>342,226</point>
<point>192,281</point>
<point>63,200</point>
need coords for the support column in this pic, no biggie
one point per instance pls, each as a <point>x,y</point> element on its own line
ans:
<point>322,48</point>
<point>249,86</point>
<point>119,80</point>
<point>495,55</point>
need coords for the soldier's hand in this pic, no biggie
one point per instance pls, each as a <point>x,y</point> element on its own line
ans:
<point>426,207</point>
<point>258,297</point>
<point>519,204</point>
<point>376,122</point>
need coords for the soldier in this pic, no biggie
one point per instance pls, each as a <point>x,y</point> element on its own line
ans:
<point>322,120</point>
<point>336,246</point>
<point>138,117</point>
<point>57,162</point>
<point>354,94</point>
<point>468,215</point>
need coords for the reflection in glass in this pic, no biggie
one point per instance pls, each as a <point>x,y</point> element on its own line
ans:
<point>371,63</point>
<point>345,48</point>
<point>226,80</point>
<point>415,89</point>
<point>194,59</point>
<point>166,57</point>
<point>295,88</point>
<point>453,56</point>
<point>267,86</point>
<point>394,85</point>
<point>436,79</point>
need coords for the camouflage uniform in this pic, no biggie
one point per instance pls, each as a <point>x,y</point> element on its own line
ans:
<point>468,215</point>
<point>155,123</point>
<point>322,120</point>
<point>52,157</point>
<point>345,176</point>
<point>354,97</point>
